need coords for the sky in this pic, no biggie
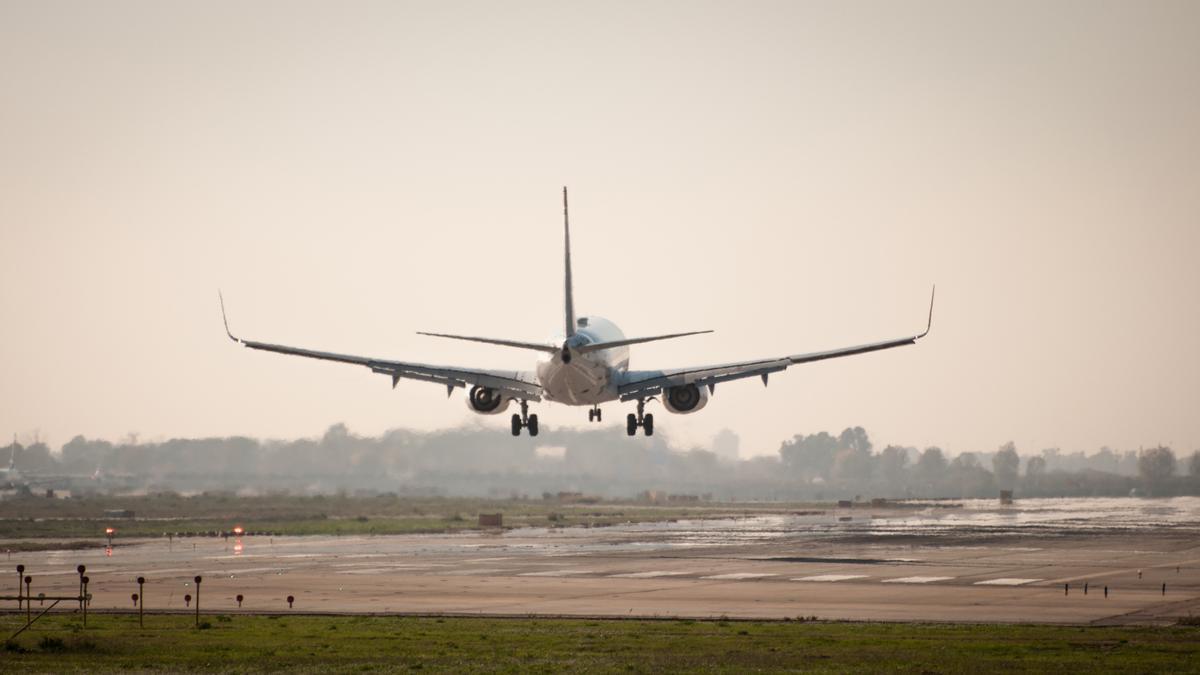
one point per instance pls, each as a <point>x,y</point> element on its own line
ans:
<point>792,175</point>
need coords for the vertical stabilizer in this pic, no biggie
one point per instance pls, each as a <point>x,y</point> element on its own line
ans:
<point>569,295</point>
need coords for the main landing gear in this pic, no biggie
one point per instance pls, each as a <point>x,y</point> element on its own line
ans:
<point>594,414</point>
<point>641,419</point>
<point>524,421</point>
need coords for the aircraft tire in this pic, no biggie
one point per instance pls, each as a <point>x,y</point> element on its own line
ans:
<point>631,424</point>
<point>533,425</point>
<point>648,424</point>
<point>516,425</point>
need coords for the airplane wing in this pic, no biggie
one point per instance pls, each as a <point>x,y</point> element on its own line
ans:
<point>640,384</point>
<point>514,384</point>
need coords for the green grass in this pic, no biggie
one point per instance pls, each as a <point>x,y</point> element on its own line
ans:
<point>294,643</point>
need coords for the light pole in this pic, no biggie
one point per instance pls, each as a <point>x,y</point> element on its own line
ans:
<point>85,600</point>
<point>20,576</point>
<point>141,598</point>
<point>197,580</point>
<point>81,569</point>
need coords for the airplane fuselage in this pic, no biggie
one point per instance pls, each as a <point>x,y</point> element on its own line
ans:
<point>572,378</point>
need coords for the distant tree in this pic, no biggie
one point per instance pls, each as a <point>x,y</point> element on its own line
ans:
<point>856,439</point>
<point>35,458</point>
<point>893,462</point>
<point>1035,467</point>
<point>1156,466</point>
<point>966,461</point>
<point>811,455</point>
<point>1006,463</point>
<point>1105,460</point>
<point>853,466</point>
<point>725,445</point>
<point>931,467</point>
<point>1194,465</point>
<point>1053,456</point>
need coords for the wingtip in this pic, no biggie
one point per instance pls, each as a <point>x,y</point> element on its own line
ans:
<point>929,322</point>
<point>224,319</point>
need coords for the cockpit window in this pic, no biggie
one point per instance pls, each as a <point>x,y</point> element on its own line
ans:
<point>582,321</point>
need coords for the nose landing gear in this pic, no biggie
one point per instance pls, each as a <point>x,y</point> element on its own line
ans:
<point>524,421</point>
<point>641,419</point>
<point>594,414</point>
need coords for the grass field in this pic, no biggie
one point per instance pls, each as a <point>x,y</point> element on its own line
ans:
<point>160,514</point>
<point>296,643</point>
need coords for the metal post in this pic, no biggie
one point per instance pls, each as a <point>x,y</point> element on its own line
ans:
<point>81,569</point>
<point>28,599</point>
<point>85,600</point>
<point>20,576</point>
<point>141,599</point>
<point>197,580</point>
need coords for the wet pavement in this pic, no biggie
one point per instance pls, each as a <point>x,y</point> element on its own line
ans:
<point>929,562</point>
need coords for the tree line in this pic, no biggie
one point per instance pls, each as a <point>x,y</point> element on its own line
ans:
<point>476,461</point>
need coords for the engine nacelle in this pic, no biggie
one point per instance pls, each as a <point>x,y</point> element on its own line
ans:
<point>486,401</point>
<point>685,399</point>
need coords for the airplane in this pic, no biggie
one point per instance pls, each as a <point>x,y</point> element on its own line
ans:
<point>10,477</point>
<point>590,366</point>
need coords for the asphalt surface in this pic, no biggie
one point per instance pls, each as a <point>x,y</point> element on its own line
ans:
<point>1028,564</point>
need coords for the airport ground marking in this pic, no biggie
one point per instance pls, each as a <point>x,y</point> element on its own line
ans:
<point>832,577</point>
<point>1006,581</point>
<point>646,575</point>
<point>915,580</point>
<point>738,576</point>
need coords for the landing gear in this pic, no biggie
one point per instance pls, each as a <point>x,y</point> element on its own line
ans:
<point>594,414</point>
<point>524,421</point>
<point>641,419</point>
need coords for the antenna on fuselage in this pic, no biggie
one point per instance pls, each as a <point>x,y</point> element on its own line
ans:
<point>569,302</point>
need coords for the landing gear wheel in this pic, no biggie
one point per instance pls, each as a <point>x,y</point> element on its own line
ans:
<point>532,425</point>
<point>591,415</point>
<point>648,424</point>
<point>631,424</point>
<point>516,424</point>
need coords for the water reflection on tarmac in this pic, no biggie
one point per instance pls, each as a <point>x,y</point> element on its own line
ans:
<point>968,561</point>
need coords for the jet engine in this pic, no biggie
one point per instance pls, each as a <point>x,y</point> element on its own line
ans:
<point>486,401</point>
<point>685,398</point>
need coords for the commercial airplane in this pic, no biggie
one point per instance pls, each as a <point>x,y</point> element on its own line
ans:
<point>10,477</point>
<point>589,367</point>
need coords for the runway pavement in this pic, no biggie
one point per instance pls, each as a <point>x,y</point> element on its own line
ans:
<point>958,565</point>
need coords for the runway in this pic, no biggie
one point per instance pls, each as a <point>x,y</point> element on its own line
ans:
<point>1027,563</point>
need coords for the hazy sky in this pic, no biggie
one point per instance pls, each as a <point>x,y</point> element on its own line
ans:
<point>793,175</point>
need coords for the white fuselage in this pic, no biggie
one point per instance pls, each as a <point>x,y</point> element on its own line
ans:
<point>585,379</point>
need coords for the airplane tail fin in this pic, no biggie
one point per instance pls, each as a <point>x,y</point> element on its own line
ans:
<point>568,292</point>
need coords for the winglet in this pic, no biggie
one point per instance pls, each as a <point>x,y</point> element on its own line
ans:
<point>930,323</point>
<point>225,320</point>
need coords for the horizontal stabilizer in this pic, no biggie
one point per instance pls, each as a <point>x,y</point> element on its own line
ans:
<point>597,346</point>
<point>549,349</point>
